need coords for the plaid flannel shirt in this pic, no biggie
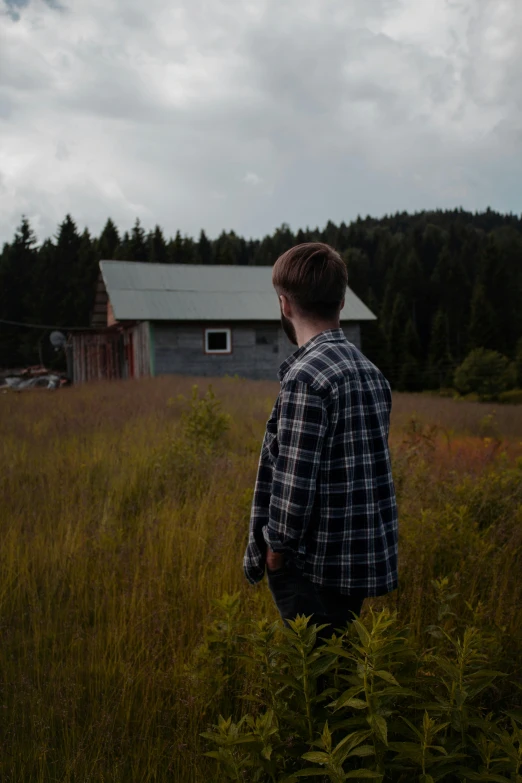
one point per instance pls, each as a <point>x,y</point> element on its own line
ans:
<point>324,494</point>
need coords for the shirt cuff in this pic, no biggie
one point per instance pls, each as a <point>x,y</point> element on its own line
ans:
<point>273,542</point>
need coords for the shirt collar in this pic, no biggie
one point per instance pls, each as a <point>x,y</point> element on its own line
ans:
<point>328,336</point>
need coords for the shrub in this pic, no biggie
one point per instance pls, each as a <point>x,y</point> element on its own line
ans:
<point>447,393</point>
<point>513,397</point>
<point>370,702</point>
<point>204,424</point>
<point>486,373</point>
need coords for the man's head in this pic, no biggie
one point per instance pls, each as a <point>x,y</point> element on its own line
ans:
<point>311,281</point>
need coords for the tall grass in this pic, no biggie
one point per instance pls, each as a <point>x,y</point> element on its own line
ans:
<point>120,525</point>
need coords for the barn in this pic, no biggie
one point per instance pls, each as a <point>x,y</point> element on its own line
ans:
<point>155,319</point>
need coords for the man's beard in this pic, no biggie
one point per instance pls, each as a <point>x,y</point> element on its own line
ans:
<point>289,329</point>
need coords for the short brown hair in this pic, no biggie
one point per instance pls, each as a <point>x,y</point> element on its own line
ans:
<point>314,277</point>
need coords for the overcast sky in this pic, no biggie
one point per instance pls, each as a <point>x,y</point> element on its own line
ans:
<point>243,114</point>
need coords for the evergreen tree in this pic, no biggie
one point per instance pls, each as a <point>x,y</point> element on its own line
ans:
<point>404,276</point>
<point>409,376</point>
<point>109,241</point>
<point>433,241</point>
<point>158,251</point>
<point>412,345</point>
<point>137,247</point>
<point>227,249</point>
<point>265,253</point>
<point>250,251</point>
<point>387,303</point>
<point>440,361</point>
<point>397,354</point>
<point>451,291</point>
<point>301,237</point>
<point>384,253</point>
<point>242,253</point>
<point>330,235</point>
<point>43,295</point>
<point>176,250</point>
<point>87,275</point>
<point>282,240</point>
<point>189,250</point>
<point>204,249</point>
<point>58,278</point>
<point>483,326</point>
<point>17,268</point>
<point>372,336</point>
<point>499,256</point>
<point>410,282</point>
<point>123,251</point>
<point>518,363</point>
<point>358,266</point>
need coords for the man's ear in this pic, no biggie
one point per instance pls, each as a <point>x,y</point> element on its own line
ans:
<point>286,306</point>
<point>342,304</point>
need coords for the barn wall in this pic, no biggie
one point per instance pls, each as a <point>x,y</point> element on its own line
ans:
<point>353,333</point>
<point>179,349</point>
<point>257,350</point>
<point>97,356</point>
<point>140,350</point>
<point>112,354</point>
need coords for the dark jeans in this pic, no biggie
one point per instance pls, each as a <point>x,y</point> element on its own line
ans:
<point>294,594</point>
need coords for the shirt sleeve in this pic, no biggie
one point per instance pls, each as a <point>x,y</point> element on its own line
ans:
<point>255,554</point>
<point>301,429</point>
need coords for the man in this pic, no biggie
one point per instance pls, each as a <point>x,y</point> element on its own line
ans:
<point>324,515</point>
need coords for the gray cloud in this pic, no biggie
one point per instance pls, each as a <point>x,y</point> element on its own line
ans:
<point>14,7</point>
<point>246,113</point>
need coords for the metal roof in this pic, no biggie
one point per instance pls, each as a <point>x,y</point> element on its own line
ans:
<point>183,292</point>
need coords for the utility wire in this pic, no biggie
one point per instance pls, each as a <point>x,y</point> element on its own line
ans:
<point>50,328</point>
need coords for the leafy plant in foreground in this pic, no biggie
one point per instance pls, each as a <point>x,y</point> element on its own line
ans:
<point>368,704</point>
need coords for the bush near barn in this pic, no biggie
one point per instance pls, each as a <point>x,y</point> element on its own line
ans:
<point>133,649</point>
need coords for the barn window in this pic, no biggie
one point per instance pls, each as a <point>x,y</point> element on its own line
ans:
<point>218,341</point>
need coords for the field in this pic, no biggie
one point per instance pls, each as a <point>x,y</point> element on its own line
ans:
<point>123,517</point>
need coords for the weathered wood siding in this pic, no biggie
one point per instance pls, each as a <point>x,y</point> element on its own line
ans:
<point>141,348</point>
<point>99,313</point>
<point>111,354</point>
<point>97,356</point>
<point>257,350</point>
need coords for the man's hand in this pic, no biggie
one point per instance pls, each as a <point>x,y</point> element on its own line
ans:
<point>274,560</point>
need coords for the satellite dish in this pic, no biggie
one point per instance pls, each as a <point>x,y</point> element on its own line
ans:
<point>58,340</point>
